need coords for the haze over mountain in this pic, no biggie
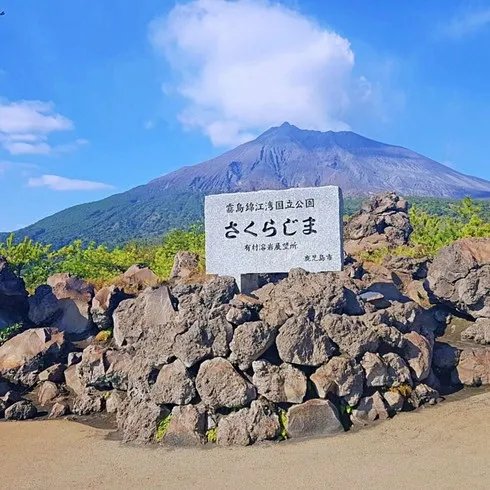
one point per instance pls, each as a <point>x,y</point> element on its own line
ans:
<point>282,157</point>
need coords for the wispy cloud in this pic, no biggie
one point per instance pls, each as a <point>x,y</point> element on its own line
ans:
<point>246,65</point>
<point>26,125</point>
<point>57,183</point>
<point>465,23</point>
<point>8,165</point>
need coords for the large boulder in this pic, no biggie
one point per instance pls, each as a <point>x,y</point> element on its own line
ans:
<point>370,409</point>
<point>279,384</point>
<point>250,341</point>
<point>313,418</point>
<point>22,410</point>
<point>13,295</point>
<point>63,303</point>
<point>479,332</point>
<point>204,339</point>
<point>381,222</point>
<point>138,420</point>
<point>460,276</point>
<point>342,376</point>
<point>187,426</point>
<point>473,368</point>
<point>304,342</point>
<point>258,423</point>
<point>24,356</point>
<point>104,303</point>
<point>352,335</point>
<point>174,385</point>
<point>133,316</point>
<point>186,265</point>
<point>305,293</point>
<point>137,278</point>
<point>417,351</point>
<point>220,385</point>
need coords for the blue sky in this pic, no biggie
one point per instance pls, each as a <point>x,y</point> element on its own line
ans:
<point>98,97</point>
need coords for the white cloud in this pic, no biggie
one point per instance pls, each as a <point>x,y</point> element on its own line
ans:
<point>466,23</point>
<point>247,65</point>
<point>57,183</point>
<point>8,165</point>
<point>26,125</point>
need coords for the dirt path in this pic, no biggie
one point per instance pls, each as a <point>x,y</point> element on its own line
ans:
<point>444,447</point>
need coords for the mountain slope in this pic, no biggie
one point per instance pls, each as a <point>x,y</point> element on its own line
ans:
<point>281,157</point>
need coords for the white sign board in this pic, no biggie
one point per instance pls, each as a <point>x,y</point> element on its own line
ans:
<point>274,231</point>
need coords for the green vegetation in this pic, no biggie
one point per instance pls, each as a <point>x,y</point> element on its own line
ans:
<point>9,332</point>
<point>98,263</point>
<point>283,422</point>
<point>212,435</point>
<point>163,427</point>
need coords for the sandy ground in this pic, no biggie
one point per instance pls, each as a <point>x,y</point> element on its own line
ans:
<point>441,447</point>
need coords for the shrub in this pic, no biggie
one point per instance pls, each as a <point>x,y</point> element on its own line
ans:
<point>10,331</point>
<point>212,435</point>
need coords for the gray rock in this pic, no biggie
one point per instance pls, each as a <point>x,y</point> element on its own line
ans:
<point>54,373</point>
<point>279,384</point>
<point>370,409</point>
<point>473,368</point>
<point>258,423</point>
<point>220,385</point>
<point>74,380</point>
<point>313,418</point>
<point>382,222</point>
<point>174,385</point>
<point>59,410</point>
<point>304,294</point>
<point>114,401</point>
<point>204,339</point>
<point>187,426</point>
<point>394,400</point>
<point>24,356</point>
<point>250,341</point>
<point>304,342</point>
<point>233,430</point>
<point>186,264</point>
<point>353,336</point>
<point>342,376</point>
<point>22,410</point>
<point>63,303</point>
<point>88,403</point>
<point>218,291</point>
<point>137,278</point>
<point>138,419</point>
<point>133,316</point>
<point>405,317</point>
<point>445,357</point>
<point>48,391</point>
<point>13,294</point>
<point>238,316</point>
<point>397,370</point>
<point>479,332</point>
<point>418,353</point>
<point>375,369</point>
<point>263,421</point>
<point>423,394</point>
<point>459,276</point>
<point>105,302</point>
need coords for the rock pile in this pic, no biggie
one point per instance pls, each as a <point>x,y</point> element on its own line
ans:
<point>381,223</point>
<point>310,354</point>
